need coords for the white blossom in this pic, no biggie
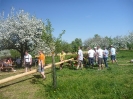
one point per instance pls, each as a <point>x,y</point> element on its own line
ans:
<point>21,30</point>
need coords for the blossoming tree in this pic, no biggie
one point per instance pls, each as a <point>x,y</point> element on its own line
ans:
<point>20,31</point>
<point>97,40</point>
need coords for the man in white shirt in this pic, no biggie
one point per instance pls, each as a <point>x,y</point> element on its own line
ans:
<point>100,58</point>
<point>80,58</point>
<point>91,54</point>
<point>27,61</point>
<point>113,54</point>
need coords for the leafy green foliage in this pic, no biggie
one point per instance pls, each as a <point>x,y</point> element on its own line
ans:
<point>75,44</point>
<point>14,53</point>
<point>52,43</point>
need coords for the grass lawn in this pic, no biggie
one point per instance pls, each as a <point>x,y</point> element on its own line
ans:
<point>116,82</point>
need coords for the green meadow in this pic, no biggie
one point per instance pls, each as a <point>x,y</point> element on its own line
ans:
<point>116,82</point>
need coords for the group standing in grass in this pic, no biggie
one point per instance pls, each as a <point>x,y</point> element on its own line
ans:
<point>97,56</point>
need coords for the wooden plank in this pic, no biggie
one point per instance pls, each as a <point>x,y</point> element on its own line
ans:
<point>125,64</point>
<point>30,72</point>
<point>17,76</point>
<point>7,67</point>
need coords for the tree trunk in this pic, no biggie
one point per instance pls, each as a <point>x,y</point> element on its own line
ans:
<point>22,57</point>
<point>54,76</point>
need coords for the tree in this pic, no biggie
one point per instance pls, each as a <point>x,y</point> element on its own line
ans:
<point>117,42</point>
<point>75,44</point>
<point>124,41</point>
<point>129,40</point>
<point>53,44</point>
<point>106,41</point>
<point>65,46</point>
<point>97,40</point>
<point>14,53</point>
<point>20,32</point>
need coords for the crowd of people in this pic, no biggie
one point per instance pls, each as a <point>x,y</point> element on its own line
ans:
<point>97,56</point>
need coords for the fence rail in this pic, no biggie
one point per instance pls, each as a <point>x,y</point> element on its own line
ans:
<point>30,72</point>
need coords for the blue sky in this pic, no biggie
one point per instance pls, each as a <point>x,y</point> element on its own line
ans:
<point>80,18</point>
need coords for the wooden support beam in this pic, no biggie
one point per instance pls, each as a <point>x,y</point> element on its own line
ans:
<point>30,72</point>
<point>125,64</point>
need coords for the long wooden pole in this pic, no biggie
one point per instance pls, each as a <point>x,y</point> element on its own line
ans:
<point>125,64</point>
<point>30,72</point>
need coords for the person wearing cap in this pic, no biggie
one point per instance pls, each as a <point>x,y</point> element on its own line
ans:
<point>113,54</point>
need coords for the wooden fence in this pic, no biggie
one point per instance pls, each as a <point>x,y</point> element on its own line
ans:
<point>30,72</point>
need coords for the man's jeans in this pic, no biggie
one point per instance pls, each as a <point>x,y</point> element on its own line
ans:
<point>105,61</point>
<point>91,61</point>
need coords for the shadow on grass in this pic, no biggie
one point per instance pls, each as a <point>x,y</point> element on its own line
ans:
<point>34,76</point>
<point>15,83</point>
<point>109,69</point>
<point>36,79</point>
